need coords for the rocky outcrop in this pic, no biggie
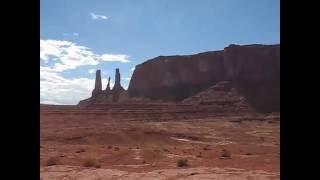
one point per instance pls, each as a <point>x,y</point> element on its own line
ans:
<point>253,69</point>
<point>117,88</point>
<point>100,96</point>
<point>108,89</point>
<point>98,85</point>
<point>222,96</point>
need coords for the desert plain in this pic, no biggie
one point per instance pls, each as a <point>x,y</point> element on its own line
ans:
<point>157,141</point>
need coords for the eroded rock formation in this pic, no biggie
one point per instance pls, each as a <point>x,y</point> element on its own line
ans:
<point>98,85</point>
<point>117,88</point>
<point>107,95</point>
<point>253,69</point>
<point>176,77</point>
<point>223,96</point>
<point>108,85</point>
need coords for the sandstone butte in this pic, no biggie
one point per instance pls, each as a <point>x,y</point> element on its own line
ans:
<point>253,70</point>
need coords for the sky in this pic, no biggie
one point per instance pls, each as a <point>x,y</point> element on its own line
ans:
<point>77,37</point>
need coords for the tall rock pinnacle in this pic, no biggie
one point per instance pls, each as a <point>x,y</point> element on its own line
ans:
<point>117,88</point>
<point>98,84</point>
<point>107,95</point>
<point>117,80</point>
<point>108,85</point>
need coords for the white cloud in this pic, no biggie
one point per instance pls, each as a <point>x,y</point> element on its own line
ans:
<point>55,89</point>
<point>98,17</point>
<point>132,69</point>
<point>75,34</point>
<point>91,71</point>
<point>65,55</point>
<point>69,55</point>
<point>125,86</point>
<point>127,79</point>
<point>115,57</point>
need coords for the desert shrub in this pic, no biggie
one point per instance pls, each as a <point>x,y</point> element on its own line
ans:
<point>52,161</point>
<point>81,150</point>
<point>182,163</point>
<point>91,163</point>
<point>199,155</point>
<point>116,149</point>
<point>225,154</point>
<point>206,148</point>
<point>165,150</point>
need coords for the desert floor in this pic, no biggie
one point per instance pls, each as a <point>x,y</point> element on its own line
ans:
<point>82,144</point>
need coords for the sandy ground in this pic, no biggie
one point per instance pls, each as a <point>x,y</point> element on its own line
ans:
<point>86,144</point>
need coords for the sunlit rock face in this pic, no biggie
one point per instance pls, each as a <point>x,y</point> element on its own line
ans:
<point>176,77</point>
<point>254,69</point>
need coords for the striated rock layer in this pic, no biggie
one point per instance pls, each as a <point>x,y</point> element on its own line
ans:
<point>176,77</point>
<point>222,96</point>
<point>253,69</point>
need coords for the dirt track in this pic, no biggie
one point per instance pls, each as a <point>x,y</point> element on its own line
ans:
<point>135,141</point>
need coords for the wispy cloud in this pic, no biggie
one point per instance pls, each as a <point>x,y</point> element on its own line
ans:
<point>115,57</point>
<point>91,71</point>
<point>98,16</point>
<point>132,69</point>
<point>74,34</point>
<point>69,55</point>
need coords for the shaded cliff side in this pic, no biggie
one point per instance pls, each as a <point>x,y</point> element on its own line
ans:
<point>254,69</point>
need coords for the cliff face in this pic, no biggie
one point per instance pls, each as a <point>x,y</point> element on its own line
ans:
<point>254,69</point>
<point>176,77</point>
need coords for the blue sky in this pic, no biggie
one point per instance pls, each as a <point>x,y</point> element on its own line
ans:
<point>105,34</point>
